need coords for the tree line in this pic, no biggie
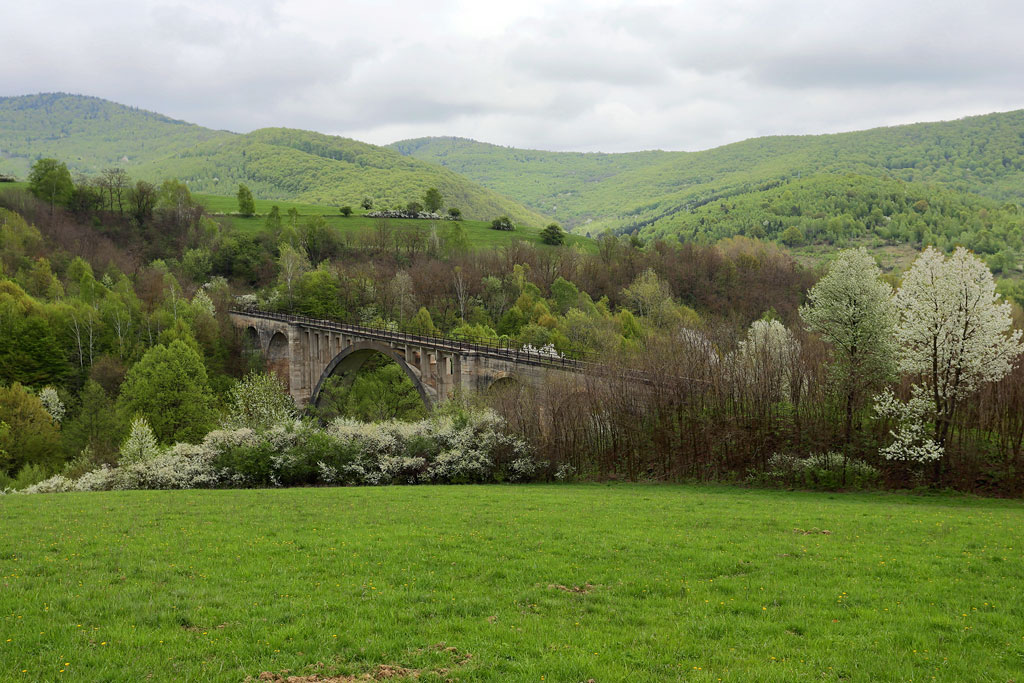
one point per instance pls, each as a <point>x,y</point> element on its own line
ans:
<point>751,366</point>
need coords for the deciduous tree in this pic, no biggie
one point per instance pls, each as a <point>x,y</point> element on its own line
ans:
<point>853,310</point>
<point>170,388</point>
<point>432,200</point>
<point>954,332</point>
<point>553,234</point>
<point>259,401</point>
<point>246,205</point>
<point>50,181</point>
<point>31,437</point>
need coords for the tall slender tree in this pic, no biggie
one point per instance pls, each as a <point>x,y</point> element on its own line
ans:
<point>246,205</point>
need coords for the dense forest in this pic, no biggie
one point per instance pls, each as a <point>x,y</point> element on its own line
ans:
<point>113,302</point>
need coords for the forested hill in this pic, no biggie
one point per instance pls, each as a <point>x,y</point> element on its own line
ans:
<point>91,134</point>
<point>652,191</point>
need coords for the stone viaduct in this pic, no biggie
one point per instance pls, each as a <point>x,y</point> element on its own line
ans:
<point>304,352</point>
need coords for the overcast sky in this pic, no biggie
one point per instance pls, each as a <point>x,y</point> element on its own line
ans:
<point>601,75</point>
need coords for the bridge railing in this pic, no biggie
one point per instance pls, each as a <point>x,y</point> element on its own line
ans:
<point>503,348</point>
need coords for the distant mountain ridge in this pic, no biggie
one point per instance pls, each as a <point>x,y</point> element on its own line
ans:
<point>91,134</point>
<point>653,192</point>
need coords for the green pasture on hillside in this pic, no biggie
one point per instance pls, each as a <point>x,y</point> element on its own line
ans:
<point>479,234</point>
<point>500,583</point>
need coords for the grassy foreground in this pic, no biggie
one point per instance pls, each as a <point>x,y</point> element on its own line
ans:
<point>556,583</point>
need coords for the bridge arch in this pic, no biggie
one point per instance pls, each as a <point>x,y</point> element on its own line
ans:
<point>252,339</point>
<point>503,381</point>
<point>352,358</point>
<point>279,358</point>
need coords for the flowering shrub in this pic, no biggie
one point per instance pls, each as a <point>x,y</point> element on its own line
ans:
<point>819,471</point>
<point>912,441</point>
<point>58,483</point>
<point>565,472</point>
<point>259,401</point>
<point>452,447</point>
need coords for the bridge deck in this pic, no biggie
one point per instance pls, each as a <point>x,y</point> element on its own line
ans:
<point>499,350</point>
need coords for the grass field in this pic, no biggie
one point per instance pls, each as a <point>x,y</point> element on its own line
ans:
<point>497,583</point>
<point>478,233</point>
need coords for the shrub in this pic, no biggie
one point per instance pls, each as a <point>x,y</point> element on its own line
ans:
<point>454,446</point>
<point>828,471</point>
<point>259,401</point>
<point>553,234</point>
<point>58,483</point>
<point>502,223</point>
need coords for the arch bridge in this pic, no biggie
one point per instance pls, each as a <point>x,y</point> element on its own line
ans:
<point>304,352</point>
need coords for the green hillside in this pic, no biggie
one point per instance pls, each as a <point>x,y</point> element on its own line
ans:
<point>478,234</point>
<point>653,191</point>
<point>91,134</point>
<point>280,163</point>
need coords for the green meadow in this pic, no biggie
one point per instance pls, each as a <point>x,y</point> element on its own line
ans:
<point>499,583</point>
<point>479,234</point>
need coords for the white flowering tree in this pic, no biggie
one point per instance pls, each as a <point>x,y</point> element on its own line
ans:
<point>140,445</point>
<point>853,310</point>
<point>765,361</point>
<point>51,401</point>
<point>259,401</point>
<point>954,334</point>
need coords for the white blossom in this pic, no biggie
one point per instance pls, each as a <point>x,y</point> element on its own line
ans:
<point>259,401</point>
<point>954,332</point>
<point>51,401</point>
<point>911,440</point>
<point>202,303</point>
<point>765,360</point>
<point>141,443</point>
<point>546,351</point>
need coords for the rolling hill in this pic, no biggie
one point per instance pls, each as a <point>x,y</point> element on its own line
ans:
<point>656,193</point>
<point>945,183</point>
<point>91,134</point>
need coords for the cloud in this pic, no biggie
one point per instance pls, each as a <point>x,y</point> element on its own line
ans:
<point>609,75</point>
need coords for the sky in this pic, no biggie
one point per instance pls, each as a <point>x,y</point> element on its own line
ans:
<point>600,75</point>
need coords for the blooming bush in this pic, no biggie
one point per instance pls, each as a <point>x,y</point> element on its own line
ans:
<point>565,472</point>
<point>451,447</point>
<point>819,471</point>
<point>911,439</point>
<point>58,483</point>
<point>259,401</point>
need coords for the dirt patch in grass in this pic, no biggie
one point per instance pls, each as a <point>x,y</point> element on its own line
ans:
<point>382,672</point>
<point>807,532</point>
<point>579,590</point>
